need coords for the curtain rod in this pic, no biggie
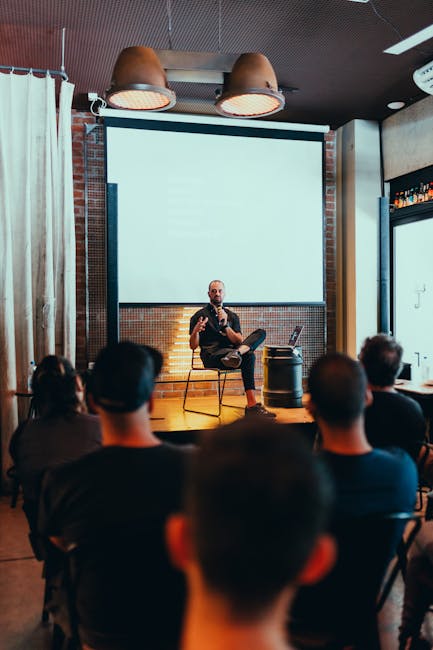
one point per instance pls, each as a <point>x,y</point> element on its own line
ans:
<point>52,73</point>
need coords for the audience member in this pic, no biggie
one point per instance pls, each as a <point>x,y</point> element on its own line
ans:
<point>418,593</point>
<point>393,419</point>
<point>367,481</point>
<point>62,432</point>
<point>256,507</point>
<point>111,508</point>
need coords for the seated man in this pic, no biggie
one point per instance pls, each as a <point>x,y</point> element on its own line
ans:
<point>111,508</point>
<point>256,507</point>
<point>418,593</point>
<point>217,331</point>
<point>393,419</point>
<point>368,482</point>
<point>62,432</point>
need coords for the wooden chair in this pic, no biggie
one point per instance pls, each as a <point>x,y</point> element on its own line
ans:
<point>197,366</point>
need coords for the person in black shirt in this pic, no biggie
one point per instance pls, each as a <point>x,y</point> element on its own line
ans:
<point>393,419</point>
<point>217,331</point>
<point>418,590</point>
<point>62,432</point>
<point>111,508</point>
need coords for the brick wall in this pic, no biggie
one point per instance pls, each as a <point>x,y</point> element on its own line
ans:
<point>166,327</point>
<point>78,122</point>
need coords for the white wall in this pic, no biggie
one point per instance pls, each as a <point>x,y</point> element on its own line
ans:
<point>358,191</point>
<point>407,139</point>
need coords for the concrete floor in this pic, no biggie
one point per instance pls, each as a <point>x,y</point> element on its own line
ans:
<point>21,586</point>
<point>21,592</point>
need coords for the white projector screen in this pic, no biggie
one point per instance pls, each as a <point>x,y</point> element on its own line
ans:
<point>198,202</point>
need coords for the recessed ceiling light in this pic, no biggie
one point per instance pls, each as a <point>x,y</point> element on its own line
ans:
<point>358,0</point>
<point>396,105</point>
<point>405,45</point>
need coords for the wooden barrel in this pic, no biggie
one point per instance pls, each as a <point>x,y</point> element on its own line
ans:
<point>282,376</point>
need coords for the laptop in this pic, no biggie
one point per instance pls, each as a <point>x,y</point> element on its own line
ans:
<point>295,336</point>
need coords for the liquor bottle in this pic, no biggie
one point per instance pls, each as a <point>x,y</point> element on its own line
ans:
<point>396,200</point>
<point>421,193</point>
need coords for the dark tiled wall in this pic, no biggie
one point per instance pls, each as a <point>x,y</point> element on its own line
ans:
<point>167,327</point>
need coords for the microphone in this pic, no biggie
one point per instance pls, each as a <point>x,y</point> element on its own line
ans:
<point>219,314</point>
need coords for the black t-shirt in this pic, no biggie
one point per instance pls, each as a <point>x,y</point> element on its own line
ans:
<point>47,442</point>
<point>212,339</point>
<point>395,420</point>
<point>113,504</point>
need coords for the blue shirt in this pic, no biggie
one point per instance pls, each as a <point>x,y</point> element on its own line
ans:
<point>378,481</point>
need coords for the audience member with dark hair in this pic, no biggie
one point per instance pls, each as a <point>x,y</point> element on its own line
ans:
<point>62,432</point>
<point>393,419</point>
<point>256,507</point>
<point>418,593</point>
<point>367,480</point>
<point>111,507</point>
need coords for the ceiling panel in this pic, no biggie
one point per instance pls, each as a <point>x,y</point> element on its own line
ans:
<point>330,50</point>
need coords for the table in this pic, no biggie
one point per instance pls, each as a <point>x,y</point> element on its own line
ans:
<point>423,394</point>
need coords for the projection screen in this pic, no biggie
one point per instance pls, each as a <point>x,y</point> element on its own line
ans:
<point>207,198</point>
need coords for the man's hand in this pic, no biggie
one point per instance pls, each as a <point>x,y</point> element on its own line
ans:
<point>194,339</point>
<point>200,326</point>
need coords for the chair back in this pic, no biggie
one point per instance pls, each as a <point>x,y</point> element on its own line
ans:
<point>342,607</point>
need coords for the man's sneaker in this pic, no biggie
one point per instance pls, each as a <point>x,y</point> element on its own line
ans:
<point>232,359</point>
<point>259,410</point>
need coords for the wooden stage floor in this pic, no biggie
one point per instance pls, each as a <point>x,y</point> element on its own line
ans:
<point>168,415</point>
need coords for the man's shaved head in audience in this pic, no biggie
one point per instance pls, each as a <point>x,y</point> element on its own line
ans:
<point>337,386</point>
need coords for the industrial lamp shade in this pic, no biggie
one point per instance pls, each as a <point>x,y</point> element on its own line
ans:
<point>139,82</point>
<point>251,89</point>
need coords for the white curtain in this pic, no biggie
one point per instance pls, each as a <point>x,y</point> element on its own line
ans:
<point>37,237</point>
